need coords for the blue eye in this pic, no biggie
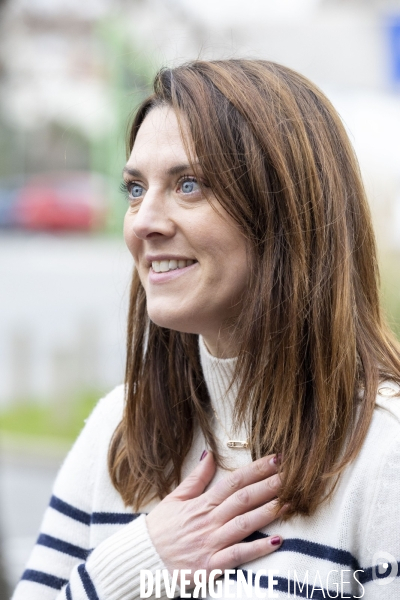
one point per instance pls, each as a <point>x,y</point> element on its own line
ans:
<point>189,186</point>
<point>135,190</point>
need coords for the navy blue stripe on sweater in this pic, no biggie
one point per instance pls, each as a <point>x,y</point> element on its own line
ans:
<point>69,511</point>
<point>104,518</point>
<point>297,545</point>
<point>314,549</point>
<point>87,583</point>
<point>61,546</point>
<point>334,555</point>
<point>68,592</point>
<point>44,578</point>
<point>97,518</point>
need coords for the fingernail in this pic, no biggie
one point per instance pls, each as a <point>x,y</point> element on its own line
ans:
<point>277,459</point>
<point>275,541</point>
<point>204,454</point>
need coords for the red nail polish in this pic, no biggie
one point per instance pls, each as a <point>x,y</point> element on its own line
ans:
<point>277,459</point>
<point>275,541</point>
<point>204,454</point>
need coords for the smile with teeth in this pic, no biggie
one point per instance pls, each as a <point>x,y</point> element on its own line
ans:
<point>162,266</point>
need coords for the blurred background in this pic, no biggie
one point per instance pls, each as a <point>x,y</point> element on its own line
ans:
<point>71,73</point>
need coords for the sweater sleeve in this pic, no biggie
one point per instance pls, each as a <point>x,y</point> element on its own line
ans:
<point>62,565</point>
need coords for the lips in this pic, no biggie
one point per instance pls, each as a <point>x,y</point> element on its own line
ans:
<point>169,269</point>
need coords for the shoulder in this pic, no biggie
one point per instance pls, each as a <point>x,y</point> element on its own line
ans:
<point>388,399</point>
<point>104,419</point>
<point>382,443</point>
<point>108,411</point>
<point>92,444</point>
<point>385,423</point>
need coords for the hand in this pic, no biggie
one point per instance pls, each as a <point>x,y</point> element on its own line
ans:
<point>193,529</point>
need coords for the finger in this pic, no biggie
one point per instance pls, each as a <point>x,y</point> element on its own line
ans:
<point>255,471</point>
<point>196,482</point>
<point>239,554</point>
<point>243,525</point>
<point>248,498</point>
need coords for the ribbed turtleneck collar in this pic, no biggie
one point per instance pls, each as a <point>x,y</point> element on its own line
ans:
<point>218,373</point>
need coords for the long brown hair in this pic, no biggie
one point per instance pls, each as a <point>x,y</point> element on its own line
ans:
<point>312,342</point>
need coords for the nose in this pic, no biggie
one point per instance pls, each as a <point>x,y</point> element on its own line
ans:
<point>152,218</point>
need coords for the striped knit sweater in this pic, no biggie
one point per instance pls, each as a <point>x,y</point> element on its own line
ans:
<point>92,547</point>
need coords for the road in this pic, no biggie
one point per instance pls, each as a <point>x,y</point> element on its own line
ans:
<point>26,480</point>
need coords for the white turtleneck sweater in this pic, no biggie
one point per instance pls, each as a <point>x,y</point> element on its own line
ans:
<point>92,547</point>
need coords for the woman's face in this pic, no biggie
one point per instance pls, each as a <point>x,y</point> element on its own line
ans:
<point>189,253</point>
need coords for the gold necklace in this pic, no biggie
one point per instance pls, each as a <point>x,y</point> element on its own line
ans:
<point>236,444</point>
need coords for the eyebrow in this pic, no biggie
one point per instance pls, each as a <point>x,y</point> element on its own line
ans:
<point>175,170</point>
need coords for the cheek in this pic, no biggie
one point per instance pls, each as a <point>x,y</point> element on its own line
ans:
<point>239,268</point>
<point>130,239</point>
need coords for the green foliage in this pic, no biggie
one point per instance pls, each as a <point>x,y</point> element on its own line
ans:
<point>51,421</point>
<point>390,275</point>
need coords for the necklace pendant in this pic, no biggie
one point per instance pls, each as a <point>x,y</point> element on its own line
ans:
<point>237,444</point>
<point>387,392</point>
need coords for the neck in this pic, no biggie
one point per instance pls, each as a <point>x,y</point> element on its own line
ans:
<point>221,345</point>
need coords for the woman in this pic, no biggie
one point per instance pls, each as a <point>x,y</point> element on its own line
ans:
<point>256,344</point>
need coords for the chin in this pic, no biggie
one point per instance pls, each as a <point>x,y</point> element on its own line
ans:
<point>174,322</point>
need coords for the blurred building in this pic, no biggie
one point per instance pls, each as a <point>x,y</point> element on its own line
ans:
<point>72,71</point>
<point>64,64</point>
<point>53,89</point>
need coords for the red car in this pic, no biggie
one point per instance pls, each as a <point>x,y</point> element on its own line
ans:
<point>62,201</point>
